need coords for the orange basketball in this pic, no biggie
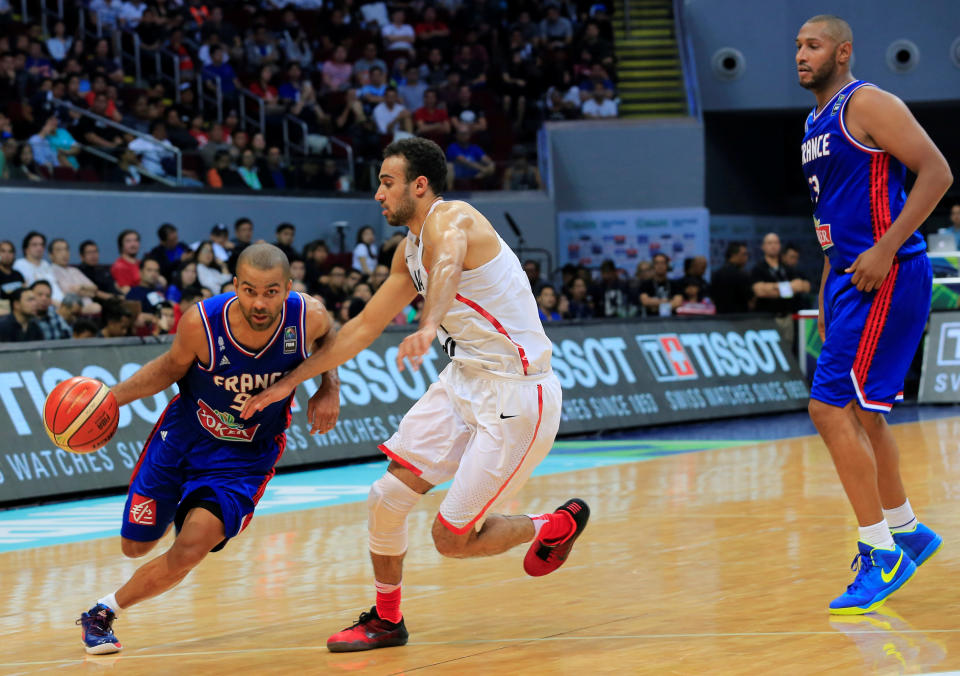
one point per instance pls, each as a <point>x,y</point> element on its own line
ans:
<point>81,415</point>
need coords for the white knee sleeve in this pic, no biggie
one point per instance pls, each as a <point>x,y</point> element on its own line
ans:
<point>389,502</point>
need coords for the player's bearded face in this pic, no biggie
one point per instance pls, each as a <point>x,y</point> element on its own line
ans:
<point>820,75</point>
<point>404,208</point>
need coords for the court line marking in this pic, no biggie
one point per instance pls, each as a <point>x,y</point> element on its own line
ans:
<point>532,639</point>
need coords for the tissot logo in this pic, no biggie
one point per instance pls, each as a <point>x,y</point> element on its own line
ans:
<point>666,357</point>
<point>948,351</point>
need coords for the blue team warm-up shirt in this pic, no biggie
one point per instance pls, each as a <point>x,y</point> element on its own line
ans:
<point>200,446</point>
<point>858,192</point>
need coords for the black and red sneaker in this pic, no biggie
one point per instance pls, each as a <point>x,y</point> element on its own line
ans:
<point>545,556</point>
<point>368,633</point>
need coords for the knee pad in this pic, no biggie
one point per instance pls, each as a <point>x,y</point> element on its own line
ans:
<point>389,502</point>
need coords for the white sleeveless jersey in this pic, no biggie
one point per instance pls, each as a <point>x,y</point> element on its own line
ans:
<point>494,323</point>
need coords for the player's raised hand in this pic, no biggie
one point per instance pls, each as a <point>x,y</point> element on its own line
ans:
<point>414,347</point>
<point>870,268</point>
<point>323,408</point>
<point>276,392</point>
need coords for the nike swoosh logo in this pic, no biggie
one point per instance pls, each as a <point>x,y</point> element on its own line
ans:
<point>504,417</point>
<point>889,576</point>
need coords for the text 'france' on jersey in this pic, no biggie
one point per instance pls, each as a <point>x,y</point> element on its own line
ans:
<point>857,191</point>
<point>212,395</point>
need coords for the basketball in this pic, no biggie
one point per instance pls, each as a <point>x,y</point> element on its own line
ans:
<point>81,415</point>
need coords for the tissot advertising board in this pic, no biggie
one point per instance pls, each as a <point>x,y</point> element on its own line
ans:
<point>614,375</point>
<point>940,376</point>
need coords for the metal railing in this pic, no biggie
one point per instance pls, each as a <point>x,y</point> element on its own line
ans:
<point>132,56</point>
<point>174,79</point>
<point>301,146</point>
<point>204,97</point>
<point>46,13</point>
<point>260,120</point>
<point>688,63</point>
<point>93,150</point>
<point>288,142</point>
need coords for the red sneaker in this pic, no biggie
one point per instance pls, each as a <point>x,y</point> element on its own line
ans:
<point>367,633</point>
<point>546,556</point>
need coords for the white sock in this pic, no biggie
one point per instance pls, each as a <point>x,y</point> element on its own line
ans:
<point>110,602</point>
<point>538,521</point>
<point>877,535</point>
<point>901,518</point>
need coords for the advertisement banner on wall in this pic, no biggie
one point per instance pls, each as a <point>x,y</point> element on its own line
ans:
<point>940,375</point>
<point>614,375</point>
<point>628,237</point>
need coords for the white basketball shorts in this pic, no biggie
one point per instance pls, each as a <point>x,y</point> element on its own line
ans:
<point>484,431</point>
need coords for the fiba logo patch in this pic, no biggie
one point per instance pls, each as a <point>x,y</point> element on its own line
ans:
<point>666,357</point>
<point>289,340</point>
<point>143,511</point>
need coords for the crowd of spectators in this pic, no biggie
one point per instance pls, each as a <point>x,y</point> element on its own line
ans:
<point>478,77</point>
<point>773,285</point>
<point>43,296</point>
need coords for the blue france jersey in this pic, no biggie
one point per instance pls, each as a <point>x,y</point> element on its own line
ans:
<point>857,190</point>
<point>212,394</point>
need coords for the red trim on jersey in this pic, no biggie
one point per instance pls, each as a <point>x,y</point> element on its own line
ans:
<point>460,530</point>
<point>303,326</point>
<point>873,329</point>
<point>843,125</point>
<point>209,332</point>
<point>393,456</point>
<point>498,326</point>
<point>153,432</point>
<point>226,330</point>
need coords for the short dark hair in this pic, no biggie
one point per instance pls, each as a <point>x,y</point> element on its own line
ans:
<point>285,226</point>
<point>85,243</point>
<point>7,241</point>
<point>16,294</point>
<point>30,235</point>
<point>659,254</point>
<point>424,158</point>
<point>84,326</point>
<point>148,259</point>
<point>124,233</point>
<point>113,310</point>
<point>164,231</point>
<point>733,248</point>
<point>790,246</point>
<point>54,241</point>
<point>190,294</point>
<point>42,282</point>
<point>240,221</point>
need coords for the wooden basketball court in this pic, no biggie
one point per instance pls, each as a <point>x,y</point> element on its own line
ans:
<point>720,561</point>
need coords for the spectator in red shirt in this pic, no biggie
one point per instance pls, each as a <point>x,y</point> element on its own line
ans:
<point>126,269</point>
<point>269,93</point>
<point>431,32</point>
<point>98,85</point>
<point>431,121</point>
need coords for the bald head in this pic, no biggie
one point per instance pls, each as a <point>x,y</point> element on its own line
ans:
<point>264,257</point>
<point>834,28</point>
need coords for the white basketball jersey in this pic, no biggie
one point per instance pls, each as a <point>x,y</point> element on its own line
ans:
<point>494,323</point>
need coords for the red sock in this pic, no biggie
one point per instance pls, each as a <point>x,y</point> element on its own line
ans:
<point>559,526</point>
<point>388,602</point>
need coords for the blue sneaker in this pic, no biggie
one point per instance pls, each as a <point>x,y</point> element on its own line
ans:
<point>920,543</point>
<point>97,631</point>
<point>880,572</point>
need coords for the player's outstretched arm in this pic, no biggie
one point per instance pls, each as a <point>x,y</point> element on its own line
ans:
<point>393,295</point>
<point>447,239</point>
<point>189,344</point>
<point>884,121</point>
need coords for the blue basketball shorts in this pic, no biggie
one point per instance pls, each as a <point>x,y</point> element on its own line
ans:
<point>172,476</point>
<point>871,338</point>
